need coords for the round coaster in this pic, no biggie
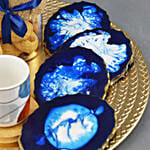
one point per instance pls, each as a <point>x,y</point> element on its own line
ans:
<point>112,45</point>
<point>71,71</point>
<point>73,19</point>
<point>78,117</point>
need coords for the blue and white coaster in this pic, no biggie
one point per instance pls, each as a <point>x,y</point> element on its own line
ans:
<point>71,71</point>
<point>112,45</point>
<point>71,20</point>
<point>77,122</point>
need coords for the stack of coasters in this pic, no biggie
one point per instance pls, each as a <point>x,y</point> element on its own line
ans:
<point>9,135</point>
<point>71,86</point>
<point>86,25</point>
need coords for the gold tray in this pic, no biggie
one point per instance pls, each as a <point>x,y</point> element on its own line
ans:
<point>128,98</point>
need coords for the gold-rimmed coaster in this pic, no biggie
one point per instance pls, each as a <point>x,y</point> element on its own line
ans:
<point>29,133</point>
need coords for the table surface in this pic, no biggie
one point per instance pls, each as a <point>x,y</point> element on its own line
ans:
<point>133,16</point>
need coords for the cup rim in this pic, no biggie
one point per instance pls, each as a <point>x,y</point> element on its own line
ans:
<point>20,82</point>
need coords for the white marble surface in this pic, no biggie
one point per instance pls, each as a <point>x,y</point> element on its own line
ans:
<point>134,17</point>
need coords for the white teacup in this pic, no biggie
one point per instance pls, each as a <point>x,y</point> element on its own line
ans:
<point>14,90</point>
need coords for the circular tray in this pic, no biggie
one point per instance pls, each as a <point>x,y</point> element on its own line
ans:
<point>129,97</point>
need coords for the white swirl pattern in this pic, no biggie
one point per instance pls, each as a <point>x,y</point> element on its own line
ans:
<point>113,54</point>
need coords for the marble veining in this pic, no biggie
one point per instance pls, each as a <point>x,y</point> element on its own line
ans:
<point>68,79</point>
<point>113,54</point>
<point>71,126</point>
<point>68,23</point>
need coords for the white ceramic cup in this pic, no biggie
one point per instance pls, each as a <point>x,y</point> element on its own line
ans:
<point>14,90</point>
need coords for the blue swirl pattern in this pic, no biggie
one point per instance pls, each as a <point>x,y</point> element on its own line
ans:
<point>72,122</point>
<point>70,126</point>
<point>71,71</point>
<point>113,54</point>
<point>68,79</point>
<point>112,45</point>
<point>71,20</point>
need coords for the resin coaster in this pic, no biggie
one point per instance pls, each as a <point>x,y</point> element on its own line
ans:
<point>73,19</point>
<point>70,122</point>
<point>112,45</point>
<point>71,71</point>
